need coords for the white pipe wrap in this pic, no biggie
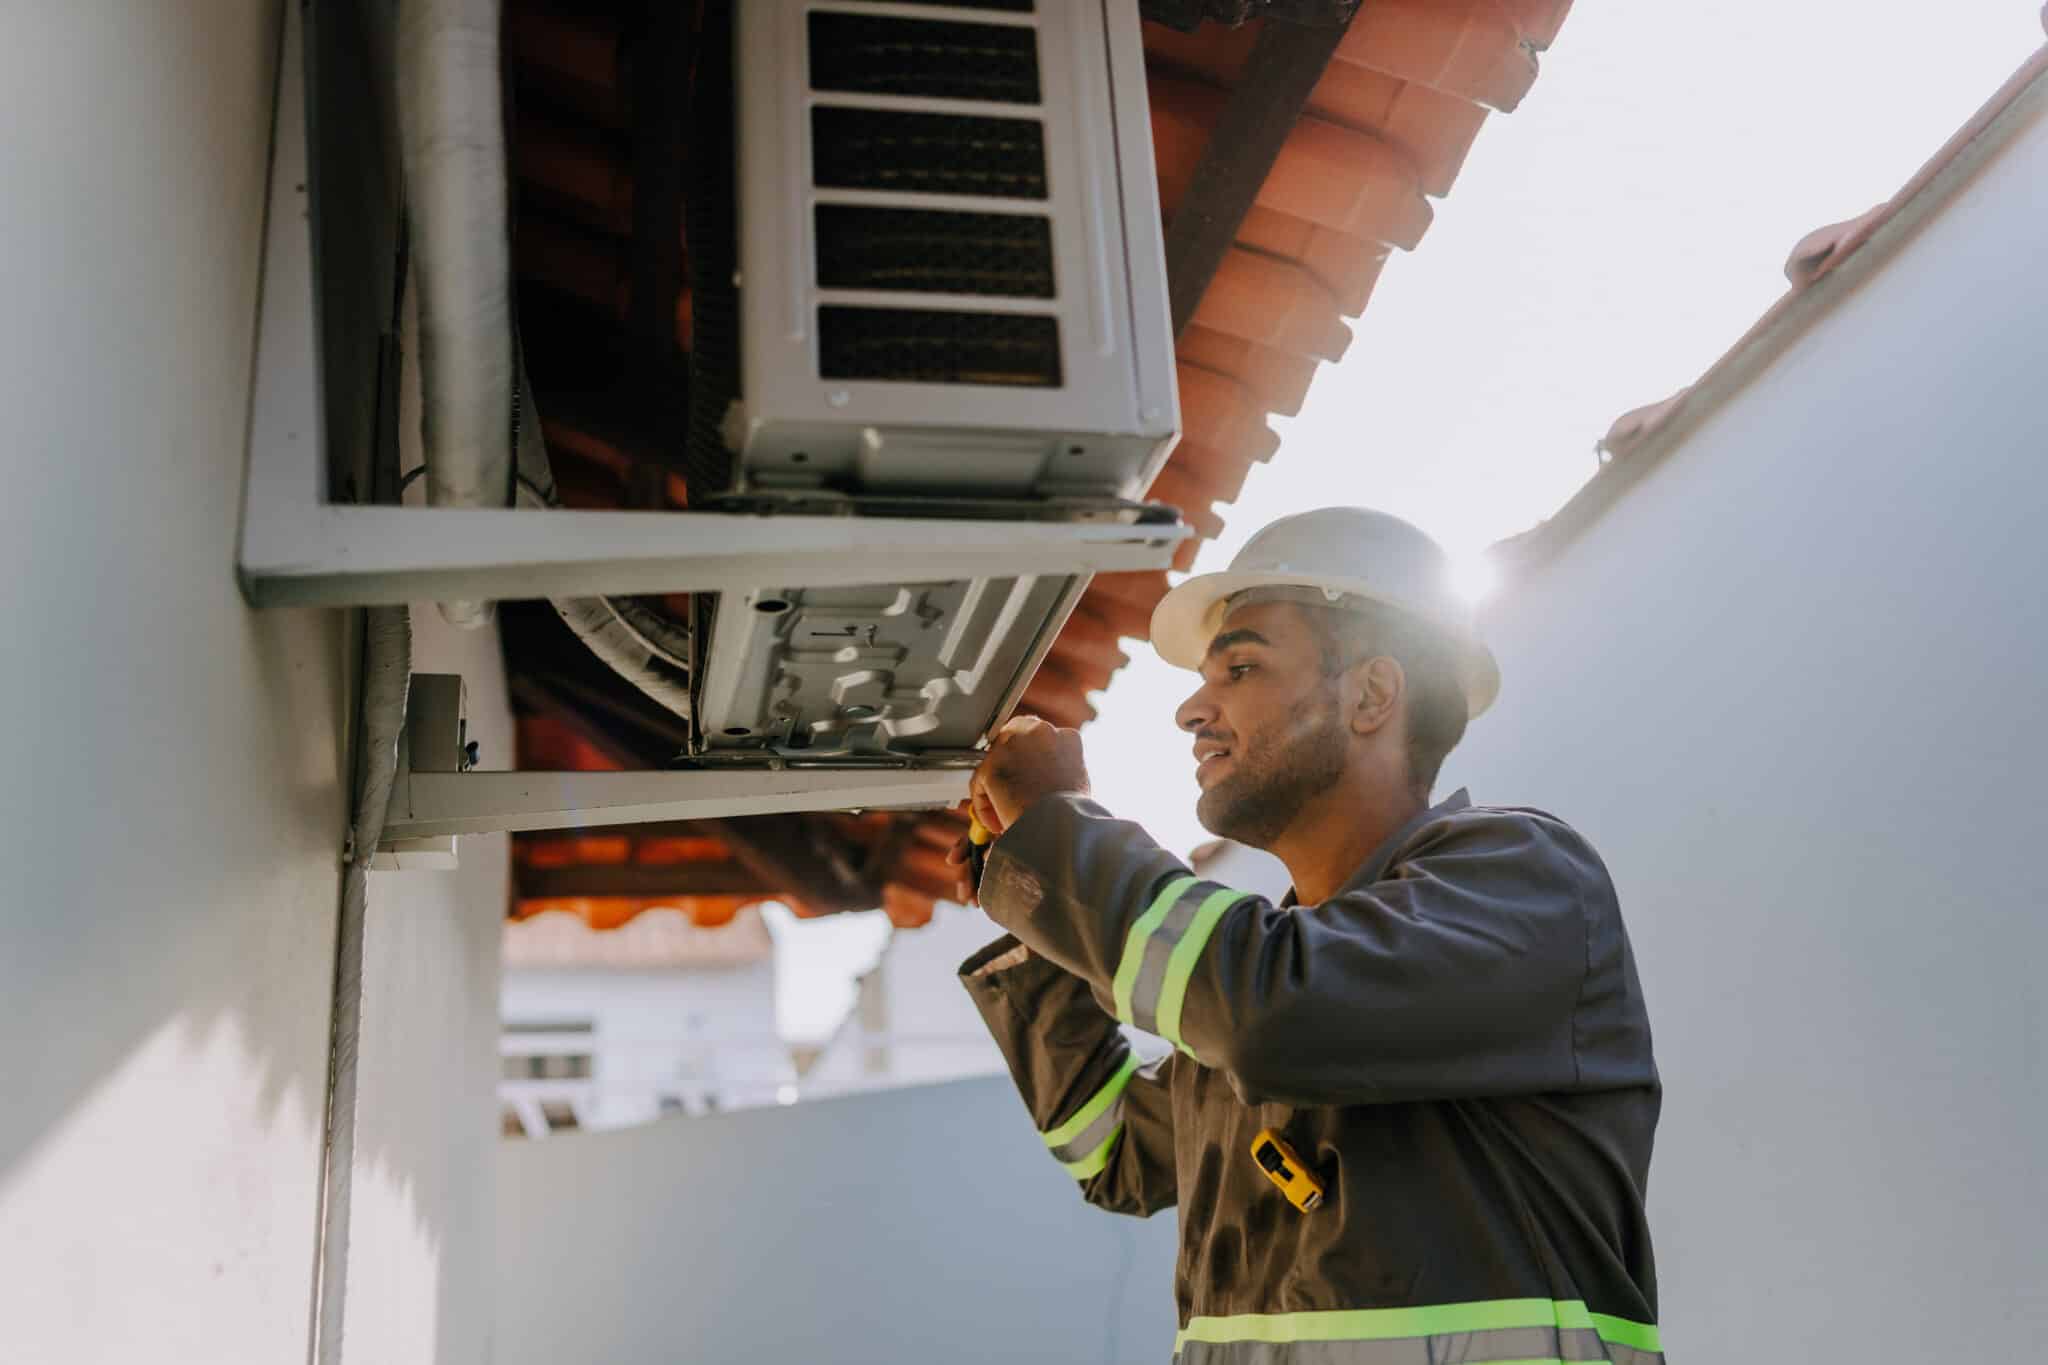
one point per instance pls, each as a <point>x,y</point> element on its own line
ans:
<point>472,377</point>
<point>452,138</point>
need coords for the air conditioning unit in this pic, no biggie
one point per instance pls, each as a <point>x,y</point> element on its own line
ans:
<point>952,278</point>
<point>930,375</point>
<point>951,294</point>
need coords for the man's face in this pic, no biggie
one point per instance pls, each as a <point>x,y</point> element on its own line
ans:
<point>1269,729</point>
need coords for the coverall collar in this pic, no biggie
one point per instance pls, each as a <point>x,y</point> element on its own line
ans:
<point>1375,867</point>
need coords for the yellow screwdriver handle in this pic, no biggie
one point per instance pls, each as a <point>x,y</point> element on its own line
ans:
<point>979,838</point>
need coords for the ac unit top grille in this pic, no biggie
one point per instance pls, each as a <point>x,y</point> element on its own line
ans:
<point>937,346</point>
<point>932,251</point>
<point>931,59</point>
<point>882,149</point>
<point>1010,6</point>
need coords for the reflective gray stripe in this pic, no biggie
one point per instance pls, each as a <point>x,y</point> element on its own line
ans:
<point>1451,1348</point>
<point>1084,1143</point>
<point>1158,948</point>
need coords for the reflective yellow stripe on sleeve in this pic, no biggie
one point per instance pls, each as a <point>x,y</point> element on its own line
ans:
<point>1180,966</point>
<point>1125,987</point>
<point>1161,951</point>
<point>1083,1143</point>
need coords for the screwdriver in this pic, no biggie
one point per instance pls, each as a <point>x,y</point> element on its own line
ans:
<point>978,840</point>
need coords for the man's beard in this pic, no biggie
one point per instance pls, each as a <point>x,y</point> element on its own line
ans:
<point>1276,775</point>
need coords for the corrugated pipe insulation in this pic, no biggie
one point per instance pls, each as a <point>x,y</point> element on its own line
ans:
<point>452,136</point>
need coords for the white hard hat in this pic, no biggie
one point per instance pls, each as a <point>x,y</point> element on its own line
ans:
<point>1347,553</point>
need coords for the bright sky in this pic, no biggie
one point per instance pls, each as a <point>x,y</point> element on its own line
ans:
<point>816,961</point>
<point>1603,244</point>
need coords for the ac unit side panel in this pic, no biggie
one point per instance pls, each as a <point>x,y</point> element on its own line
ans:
<point>1148,303</point>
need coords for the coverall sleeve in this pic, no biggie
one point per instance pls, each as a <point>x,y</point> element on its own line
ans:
<point>1105,1115</point>
<point>1457,976</point>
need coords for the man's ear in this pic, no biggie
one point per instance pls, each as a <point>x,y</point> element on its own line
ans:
<point>1378,685</point>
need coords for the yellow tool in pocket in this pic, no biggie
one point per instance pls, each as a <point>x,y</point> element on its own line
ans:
<point>1285,1168</point>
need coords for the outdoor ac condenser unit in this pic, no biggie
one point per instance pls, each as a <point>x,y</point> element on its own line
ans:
<point>951,272</point>
<point>951,293</point>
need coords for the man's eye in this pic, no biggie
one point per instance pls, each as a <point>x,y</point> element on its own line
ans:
<point>1239,670</point>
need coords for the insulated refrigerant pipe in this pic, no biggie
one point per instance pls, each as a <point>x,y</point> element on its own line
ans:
<point>480,432</point>
<point>452,140</point>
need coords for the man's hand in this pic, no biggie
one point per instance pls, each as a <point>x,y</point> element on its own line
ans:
<point>1028,759</point>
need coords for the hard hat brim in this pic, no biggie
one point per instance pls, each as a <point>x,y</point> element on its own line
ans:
<point>1189,616</point>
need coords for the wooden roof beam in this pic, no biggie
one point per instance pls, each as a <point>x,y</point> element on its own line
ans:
<point>1268,102</point>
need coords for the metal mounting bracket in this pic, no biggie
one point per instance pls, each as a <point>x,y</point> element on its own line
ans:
<point>435,795</point>
<point>424,805</point>
<point>298,549</point>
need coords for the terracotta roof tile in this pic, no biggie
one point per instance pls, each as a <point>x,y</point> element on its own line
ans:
<point>1351,182</point>
<point>1275,302</point>
<point>577,168</point>
<point>1221,473</point>
<point>1180,486</point>
<point>1539,20</point>
<point>1212,50</point>
<point>609,912</point>
<point>908,909</point>
<point>1277,380</point>
<point>1468,48</point>
<point>582,265</point>
<point>1326,174</point>
<point>663,851</point>
<point>575,58</point>
<point>1217,410</point>
<point>1113,614</point>
<point>1140,591</point>
<point>660,939</point>
<point>575,850</point>
<point>1432,128</point>
<point>1348,266</point>
<point>1089,647</point>
<point>549,743</point>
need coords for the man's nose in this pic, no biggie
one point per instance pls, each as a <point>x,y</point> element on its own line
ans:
<point>1196,712</point>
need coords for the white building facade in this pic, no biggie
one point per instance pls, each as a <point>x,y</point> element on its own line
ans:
<point>1790,680</point>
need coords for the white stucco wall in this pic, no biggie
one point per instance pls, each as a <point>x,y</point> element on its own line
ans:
<point>1792,687</point>
<point>919,1226</point>
<point>172,805</point>
<point>171,796</point>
